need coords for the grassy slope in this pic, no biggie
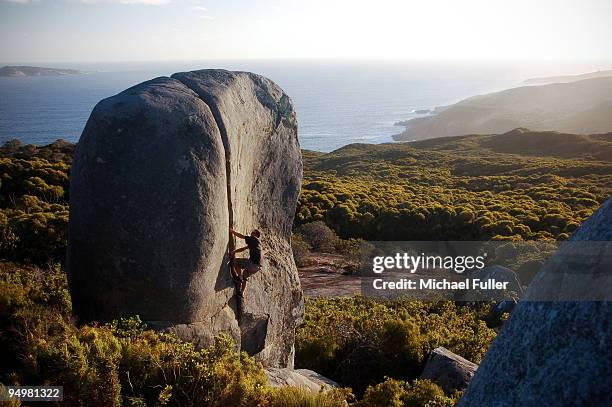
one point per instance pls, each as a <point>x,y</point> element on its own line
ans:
<point>525,142</point>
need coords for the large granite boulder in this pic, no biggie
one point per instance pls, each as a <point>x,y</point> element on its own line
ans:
<point>160,173</point>
<point>448,370</point>
<point>555,348</point>
<point>304,378</point>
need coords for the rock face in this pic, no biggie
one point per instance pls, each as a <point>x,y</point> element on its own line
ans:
<point>556,352</point>
<point>448,370</point>
<point>160,173</point>
<point>304,378</point>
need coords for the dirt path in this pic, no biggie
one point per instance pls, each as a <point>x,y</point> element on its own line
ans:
<point>324,277</point>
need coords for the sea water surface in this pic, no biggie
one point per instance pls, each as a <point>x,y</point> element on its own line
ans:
<point>337,102</point>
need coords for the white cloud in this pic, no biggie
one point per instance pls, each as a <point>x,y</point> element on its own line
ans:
<point>18,1</point>
<point>203,12</point>
<point>127,2</point>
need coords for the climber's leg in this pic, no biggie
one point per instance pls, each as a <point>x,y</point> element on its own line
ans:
<point>249,269</point>
<point>235,271</point>
<point>240,266</point>
<point>246,268</point>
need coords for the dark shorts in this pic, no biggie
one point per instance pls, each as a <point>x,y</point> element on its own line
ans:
<point>248,266</point>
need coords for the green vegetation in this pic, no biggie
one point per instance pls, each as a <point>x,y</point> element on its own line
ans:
<point>594,147</point>
<point>298,397</point>
<point>466,188</point>
<point>452,189</point>
<point>318,237</point>
<point>396,393</point>
<point>462,188</point>
<point>122,363</point>
<point>342,338</point>
<point>34,201</point>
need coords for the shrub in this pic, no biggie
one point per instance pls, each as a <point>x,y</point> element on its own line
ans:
<point>396,393</point>
<point>350,247</point>
<point>301,250</point>
<point>358,341</point>
<point>422,393</point>
<point>319,236</point>
<point>390,393</point>
<point>114,364</point>
<point>299,397</point>
<point>401,340</point>
<point>34,201</point>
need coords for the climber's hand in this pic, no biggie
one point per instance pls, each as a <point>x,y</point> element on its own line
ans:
<point>233,232</point>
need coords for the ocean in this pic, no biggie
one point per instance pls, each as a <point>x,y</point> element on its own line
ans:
<point>337,102</point>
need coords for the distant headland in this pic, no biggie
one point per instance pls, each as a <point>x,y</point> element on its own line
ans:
<point>579,107</point>
<point>17,71</point>
<point>568,78</point>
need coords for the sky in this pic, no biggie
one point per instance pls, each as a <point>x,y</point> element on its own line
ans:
<point>158,30</point>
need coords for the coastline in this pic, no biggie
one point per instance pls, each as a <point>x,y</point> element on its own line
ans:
<point>333,110</point>
<point>580,107</point>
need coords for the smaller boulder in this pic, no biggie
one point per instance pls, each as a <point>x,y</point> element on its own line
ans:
<point>494,318</point>
<point>448,370</point>
<point>304,378</point>
<point>501,274</point>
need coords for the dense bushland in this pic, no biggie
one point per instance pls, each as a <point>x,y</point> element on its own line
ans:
<point>448,189</point>
<point>398,393</point>
<point>121,363</point>
<point>34,201</point>
<point>358,341</point>
<point>124,363</point>
<point>454,190</point>
<point>468,188</point>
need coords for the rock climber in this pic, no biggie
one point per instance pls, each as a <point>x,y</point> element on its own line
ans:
<point>243,268</point>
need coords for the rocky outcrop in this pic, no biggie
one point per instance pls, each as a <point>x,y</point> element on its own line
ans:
<point>304,378</point>
<point>160,173</point>
<point>448,370</point>
<point>555,348</point>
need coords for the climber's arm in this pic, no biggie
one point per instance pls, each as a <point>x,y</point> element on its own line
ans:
<point>240,250</point>
<point>233,232</point>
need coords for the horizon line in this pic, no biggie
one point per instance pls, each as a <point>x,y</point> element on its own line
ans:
<point>326,58</point>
